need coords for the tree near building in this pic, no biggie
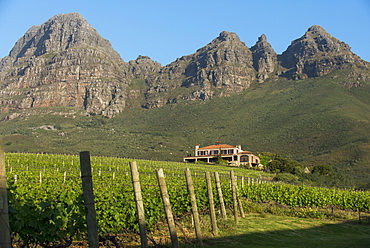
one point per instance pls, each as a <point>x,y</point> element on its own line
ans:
<point>322,169</point>
<point>278,164</point>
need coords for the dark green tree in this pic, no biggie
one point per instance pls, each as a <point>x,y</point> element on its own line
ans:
<point>279,164</point>
<point>221,161</point>
<point>322,169</point>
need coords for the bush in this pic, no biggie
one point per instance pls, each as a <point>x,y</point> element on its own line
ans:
<point>286,165</point>
<point>323,170</point>
<point>286,177</point>
<point>222,162</point>
<point>264,159</point>
<point>298,170</point>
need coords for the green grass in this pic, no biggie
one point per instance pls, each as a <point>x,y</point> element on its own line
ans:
<point>282,231</point>
<point>273,225</point>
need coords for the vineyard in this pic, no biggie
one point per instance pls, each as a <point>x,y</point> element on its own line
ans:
<point>46,205</point>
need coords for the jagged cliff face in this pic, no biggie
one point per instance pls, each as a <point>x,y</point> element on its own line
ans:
<point>264,58</point>
<point>65,62</point>
<point>317,53</point>
<point>225,63</point>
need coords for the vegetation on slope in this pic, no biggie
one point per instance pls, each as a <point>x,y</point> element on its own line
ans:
<point>46,207</point>
<point>322,120</point>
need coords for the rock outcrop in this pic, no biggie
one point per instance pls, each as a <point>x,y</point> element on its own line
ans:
<point>317,53</point>
<point>65,62</point>
<point>225,64</point>
<point>264,58</point>
<point>143,67</point>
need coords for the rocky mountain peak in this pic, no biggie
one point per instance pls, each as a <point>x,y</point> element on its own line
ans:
<point>317,53</point>
<point>262,38</point>
<point>316,28</point>
<point>264,58</point>
<point>226,48</point>
<point>228,36</point>
<point>225,39</point>
<point>59,33</point>
<point>324,42</point>
<point>143,66</point>
<point>63,62</point>
<point>225,63</point>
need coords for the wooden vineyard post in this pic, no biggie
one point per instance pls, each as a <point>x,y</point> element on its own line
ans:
<point>211,204</point>
<point>194,207</point>
<point>233,190</point>
<point>220,195</point>
<point>167,208</point>
<point>5,241</point>
<point>88,196</point>
<point>65,177</point>
<point>240,203</point>
<point>139,204</point>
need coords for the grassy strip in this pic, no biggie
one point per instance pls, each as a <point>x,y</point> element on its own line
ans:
<point>282,231</point>
<point>269,225</point>
<point>275,225</point>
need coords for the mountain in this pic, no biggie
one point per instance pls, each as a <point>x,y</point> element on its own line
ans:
<point>317,53</point>
<point>63,62</point>
<point>64,89</point>
<point>264,58</point>
<point>225,65</point>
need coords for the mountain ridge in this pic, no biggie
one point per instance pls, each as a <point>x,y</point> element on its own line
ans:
<point>65,62</point>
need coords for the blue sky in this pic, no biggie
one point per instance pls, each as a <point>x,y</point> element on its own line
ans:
<point>166,30</point>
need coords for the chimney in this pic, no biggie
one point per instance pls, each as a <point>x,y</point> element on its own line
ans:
<point>196,150</point>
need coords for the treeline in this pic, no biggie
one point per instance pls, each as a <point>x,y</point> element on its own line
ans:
<point>321,175</point>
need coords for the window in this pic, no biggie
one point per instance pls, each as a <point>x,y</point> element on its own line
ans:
<point>215,152</point>
<point>231,151</point>
<point>244,158</point>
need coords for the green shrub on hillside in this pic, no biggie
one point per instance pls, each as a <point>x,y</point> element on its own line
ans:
<point>278,164</point>
<point>264,159</point>
<point>222,162</point>
<point>287,178</point>
<point>323,169</point>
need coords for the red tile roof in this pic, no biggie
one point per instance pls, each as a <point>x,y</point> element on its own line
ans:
<point>218,146</point>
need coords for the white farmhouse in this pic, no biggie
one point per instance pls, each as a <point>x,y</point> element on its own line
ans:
<point>233,154</point>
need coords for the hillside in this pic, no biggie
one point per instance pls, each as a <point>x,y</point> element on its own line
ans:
<point>314,121</point>
<point>64,89</point>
